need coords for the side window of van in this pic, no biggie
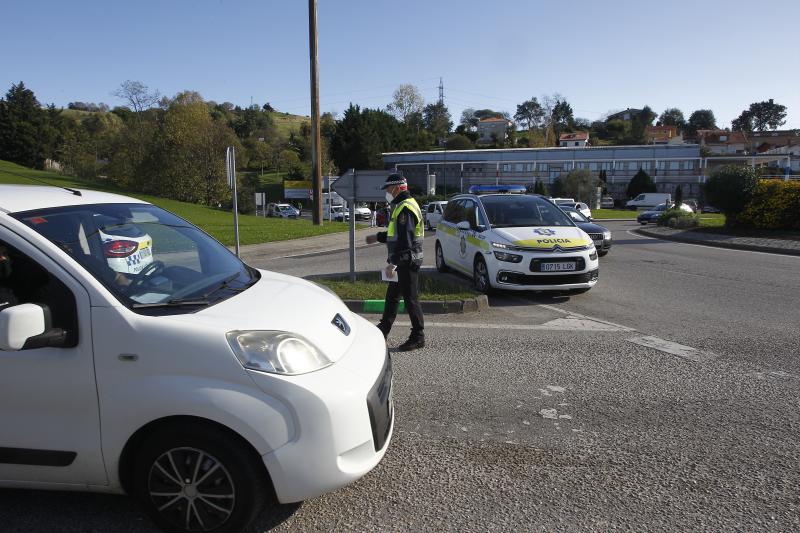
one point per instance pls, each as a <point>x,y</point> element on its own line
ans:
<point>431,208</point>
<point>640,197</point>
<point>454,212</point>
<point>28,282</point>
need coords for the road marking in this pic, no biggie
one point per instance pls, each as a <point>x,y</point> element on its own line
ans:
<point>586,317</point>
<point>673,348</point>
<point>568,323</point>
<point>632,232</point>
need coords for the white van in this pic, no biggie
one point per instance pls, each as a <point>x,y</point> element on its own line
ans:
<point>198,384</point>
<point>433,214</point>
<point>649,199</point>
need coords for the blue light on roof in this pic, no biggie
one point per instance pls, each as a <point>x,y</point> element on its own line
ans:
<point>495,189</point>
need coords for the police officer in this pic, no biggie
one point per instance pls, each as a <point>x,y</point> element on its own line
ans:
<point>403,239</point>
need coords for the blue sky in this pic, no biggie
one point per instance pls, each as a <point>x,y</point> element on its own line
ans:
<point>601,56</point>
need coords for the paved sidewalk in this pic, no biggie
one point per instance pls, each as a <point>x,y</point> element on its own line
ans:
<point>252,253</point>
<point>789,245</point>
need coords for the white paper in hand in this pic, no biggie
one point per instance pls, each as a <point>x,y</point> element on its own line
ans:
<point>392,278</point>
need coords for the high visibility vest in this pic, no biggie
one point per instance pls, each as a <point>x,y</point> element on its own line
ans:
<point>419,229</point>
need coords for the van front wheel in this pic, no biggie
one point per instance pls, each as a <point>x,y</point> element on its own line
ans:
<point>197,478</point>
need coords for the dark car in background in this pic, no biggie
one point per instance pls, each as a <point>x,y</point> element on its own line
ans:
<point>599,234</point>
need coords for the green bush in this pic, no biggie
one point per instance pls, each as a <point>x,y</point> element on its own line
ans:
<point>775,204</point>
<point>678,218</point>
<point>730,188</point>
<point>641,182</point>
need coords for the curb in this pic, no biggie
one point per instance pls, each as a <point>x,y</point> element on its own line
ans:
<point>718,244</point>
<point>429,307</point>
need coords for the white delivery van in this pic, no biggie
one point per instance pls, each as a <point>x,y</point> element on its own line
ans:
<point>649,199</point>
<point>196,383</point>
<point>433,214</point>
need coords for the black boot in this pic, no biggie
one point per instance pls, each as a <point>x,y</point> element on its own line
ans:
<point>414,342</point>
<point>385,330</point>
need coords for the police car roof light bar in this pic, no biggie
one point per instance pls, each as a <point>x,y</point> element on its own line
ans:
<point>497,189</point>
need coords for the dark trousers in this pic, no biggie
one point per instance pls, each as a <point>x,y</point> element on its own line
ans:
<point>407,286</point>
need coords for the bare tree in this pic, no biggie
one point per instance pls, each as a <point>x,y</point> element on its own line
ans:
<point>137,94</point>
<point>406,101</point>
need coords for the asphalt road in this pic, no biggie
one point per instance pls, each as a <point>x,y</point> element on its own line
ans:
<point>664,399</point>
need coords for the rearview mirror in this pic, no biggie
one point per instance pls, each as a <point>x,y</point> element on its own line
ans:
<point>464,225</point>
<point>19,323</point>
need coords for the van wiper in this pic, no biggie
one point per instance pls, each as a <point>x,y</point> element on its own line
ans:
<point>224,283</point>
<point>175,302</point>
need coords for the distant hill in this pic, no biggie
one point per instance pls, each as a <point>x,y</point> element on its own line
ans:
<point>286,122</point>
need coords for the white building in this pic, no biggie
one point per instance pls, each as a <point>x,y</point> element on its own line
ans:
<point>495,125</point>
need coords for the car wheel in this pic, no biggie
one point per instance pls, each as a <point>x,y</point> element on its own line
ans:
<point>480,276</point>
<point>440,264</point>
<point>195,477</point>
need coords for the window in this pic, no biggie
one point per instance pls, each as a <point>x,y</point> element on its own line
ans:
<point>662,165</point>
<point>29,282</point>
<point>510,210</point>
<point>646,165</point>
<point>619,165</point>
<point>469,212</point>
<point>581,165</point>
<point>689,165</point>
<point>529,167</point>
<point>723,138</point>
<point>431,208</point>
<point>454,213</point>
<point>506,167</point>
<point>542,167</point>
<point>577,143</point>
<point>592,166</point>
<point>633,165</point>
<point>605,165</point>
<point>674,165</point>
<point>518,167</point>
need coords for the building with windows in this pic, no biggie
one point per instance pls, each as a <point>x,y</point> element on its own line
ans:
<point>723,142</point>
<point>493,128</point>
<point>578,139</point>
<point>662,135</point>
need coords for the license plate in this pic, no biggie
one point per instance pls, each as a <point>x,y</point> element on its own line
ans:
<point>145,253</point>
<point>558,267</point>
<point>598,242</point>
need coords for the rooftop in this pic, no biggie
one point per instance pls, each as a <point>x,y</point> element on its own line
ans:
<point>17,198</point>
<point>577,136</point>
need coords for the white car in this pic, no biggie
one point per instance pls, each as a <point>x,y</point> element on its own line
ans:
<point>515,241</point>
<point>362,212</point>
<point>433,214</point>
<point>177,385</point>
<point>340,214</point>
<point>281,211</point>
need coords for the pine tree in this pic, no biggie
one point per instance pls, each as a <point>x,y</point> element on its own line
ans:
<point>22,121</point>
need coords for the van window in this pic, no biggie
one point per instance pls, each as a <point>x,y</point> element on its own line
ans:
<point>454,213</point>
<point>640,197</point>
<point>29,282</point>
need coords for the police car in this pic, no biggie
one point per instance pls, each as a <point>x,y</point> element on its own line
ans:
<point>506,239</point>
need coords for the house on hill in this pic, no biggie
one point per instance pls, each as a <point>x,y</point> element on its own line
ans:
<point>662,135</point>
<point>626,115</point>
<point>579,139</point>
<point>723,142</point>
<point>494,125</point>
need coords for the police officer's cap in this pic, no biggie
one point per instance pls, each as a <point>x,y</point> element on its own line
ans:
<point>394,179</point>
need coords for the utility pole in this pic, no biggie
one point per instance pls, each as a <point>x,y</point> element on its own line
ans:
<point>316,163</point>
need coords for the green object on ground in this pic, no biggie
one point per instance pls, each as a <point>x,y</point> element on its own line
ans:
<point>712,220</point>
<point>215,222</point>
<point>377,306</point>
<point>600,214</point>
<point>369,288</point>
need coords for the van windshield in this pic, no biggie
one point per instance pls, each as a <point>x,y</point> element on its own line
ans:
<point>151,260</point>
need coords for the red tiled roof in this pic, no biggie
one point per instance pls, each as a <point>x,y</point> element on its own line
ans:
<point>494,119</point>
<point>713,137</point>
<point>577,136</point>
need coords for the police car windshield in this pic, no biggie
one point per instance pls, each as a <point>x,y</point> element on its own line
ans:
<point>150,260</point>
<point>512,210</point>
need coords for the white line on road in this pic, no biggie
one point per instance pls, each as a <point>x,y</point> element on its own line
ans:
<point>559,324</point>
<point>673,348</point>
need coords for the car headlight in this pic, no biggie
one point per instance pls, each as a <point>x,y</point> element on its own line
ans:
<point>504,246</point>
<point>276,352</point>
<point>505,256</point>
<point>607,235</point>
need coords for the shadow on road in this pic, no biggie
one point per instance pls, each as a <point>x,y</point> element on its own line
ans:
<point>30,511</point>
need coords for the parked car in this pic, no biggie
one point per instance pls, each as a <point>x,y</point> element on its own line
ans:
<point>653,214</point>
<point>648,200</point>
<point>281,211</point>
<point>709,209</point>
<point>691,202</point>
<point>600,235</point>
<point>433,213</point>
<point>176,384</point>
<point>363,212</point>
<point>607,202</point>
<point>340,214</point>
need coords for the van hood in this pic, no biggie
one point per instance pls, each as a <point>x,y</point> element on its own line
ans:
<point>544,238</point>
<point>283,303</point>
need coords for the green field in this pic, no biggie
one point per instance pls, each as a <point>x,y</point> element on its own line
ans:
<point>285,123</point>
<point>217,223</point>
<point>711,220</point>
<point>600,214</point>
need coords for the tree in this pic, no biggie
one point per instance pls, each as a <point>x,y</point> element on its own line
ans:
<point>405,101</point>
<point>760,116</point>
<point>729,188</point>
<point>436,118</point>
<point>138,95</point>
<point>639,122</point>
<point>579,184</point>
<point>459,142</point>
<point>672,117</point>
<point>702,119</point>
<point>23,123</point>
<point>678,196</point>
<point>540,188</point>
<point>530,113</point>
<point>640,183</point>
<point>468,119</point>
<point>562,118</point>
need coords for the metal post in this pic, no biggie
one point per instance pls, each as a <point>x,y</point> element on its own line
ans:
<point>353,227</point>
<point>316,160</point>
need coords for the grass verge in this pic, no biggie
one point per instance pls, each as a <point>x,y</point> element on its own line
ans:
<point>215,222</point>
<point>369,287</point>
<point>600,214</point>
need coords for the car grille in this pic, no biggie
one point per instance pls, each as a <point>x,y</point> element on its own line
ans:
<point>596,236</point>
<point>516,278</point>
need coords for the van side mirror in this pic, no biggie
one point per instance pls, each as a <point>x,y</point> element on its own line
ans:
<point>21,322</point>
<point>464,225</point>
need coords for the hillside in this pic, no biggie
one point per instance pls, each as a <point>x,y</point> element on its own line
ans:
<point>217,223</point>
<point>286,122</point>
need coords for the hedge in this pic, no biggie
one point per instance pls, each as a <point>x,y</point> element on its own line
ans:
<point>775,204</point>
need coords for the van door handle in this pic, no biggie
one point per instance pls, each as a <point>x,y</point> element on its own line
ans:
<point>128,357</point>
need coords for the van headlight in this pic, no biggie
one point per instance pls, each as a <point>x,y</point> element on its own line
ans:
<point>276,352</point>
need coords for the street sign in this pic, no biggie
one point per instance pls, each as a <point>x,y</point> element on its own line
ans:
<point>362,185</point>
